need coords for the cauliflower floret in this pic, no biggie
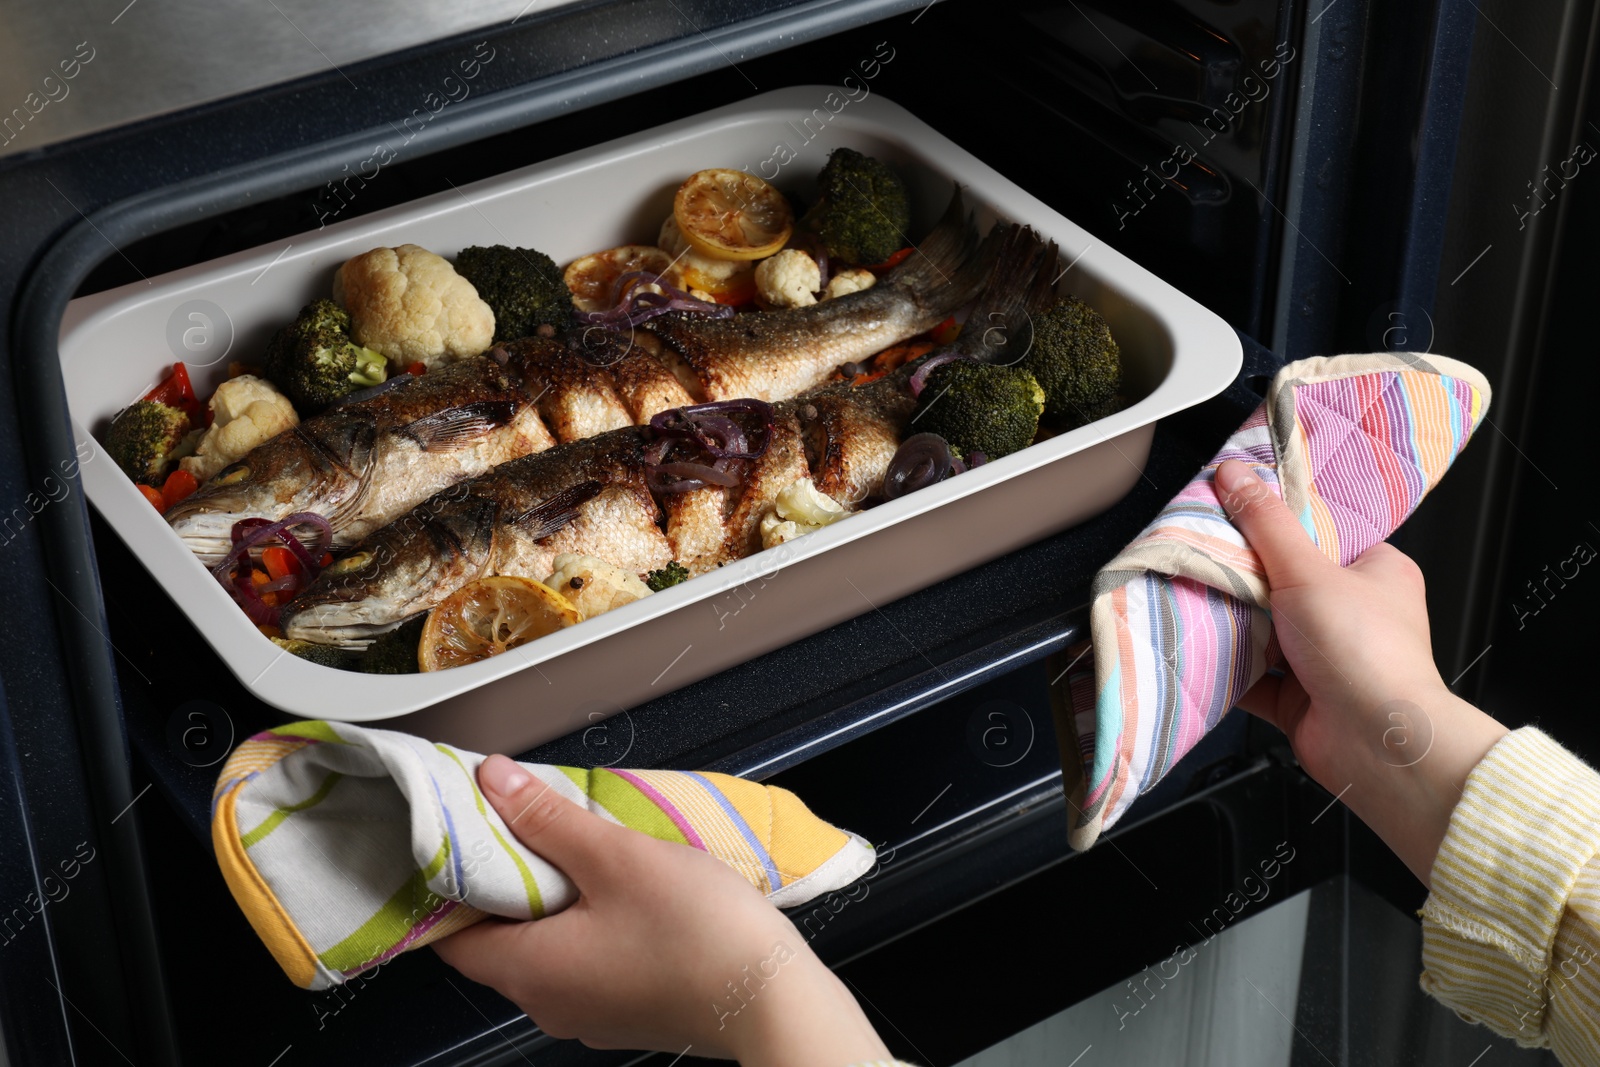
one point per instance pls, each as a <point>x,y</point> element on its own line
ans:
<point>789,279</point>
<point>849,281</point>
<point>799,509</point>
<point>697,271</point>
<point>594,586</point>
<point>245,412</point>
<point>412,306</point>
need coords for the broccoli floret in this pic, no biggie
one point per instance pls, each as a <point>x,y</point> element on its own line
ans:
<point>326,655</point>
<point>862,211</point>
<point>314,361</point>
<point>981,407</point>
<point>671,574</point>
<point>1077,362</point>
<point>522,285</point>
<point>143,438</point>
<point>396,651</point>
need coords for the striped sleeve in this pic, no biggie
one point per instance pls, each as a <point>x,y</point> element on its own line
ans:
<point>1511,929</point>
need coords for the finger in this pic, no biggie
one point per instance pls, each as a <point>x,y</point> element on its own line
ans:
<point>1287,553</point>
<point>481,951</point>
<point>495,953</point>
<point>573,838</point>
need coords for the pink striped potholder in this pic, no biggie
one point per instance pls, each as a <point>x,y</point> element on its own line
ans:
<point>1180,622</point>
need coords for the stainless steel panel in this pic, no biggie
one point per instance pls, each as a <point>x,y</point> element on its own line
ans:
<point>72,67</point>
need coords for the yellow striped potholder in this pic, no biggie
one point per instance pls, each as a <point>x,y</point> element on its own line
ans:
<point>345,846</point>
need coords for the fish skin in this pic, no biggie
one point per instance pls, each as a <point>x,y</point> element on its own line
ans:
<point>467,531</point>
<point>471,530</point>
<point>576,395</point>
<point>779,354</point>
<point>853,438</point>
<point>776,354</point>
<point>359,465</point>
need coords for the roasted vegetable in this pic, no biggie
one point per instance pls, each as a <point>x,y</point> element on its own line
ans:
<point>522,286</point>
<point>245,411</point>
<point>862,211</point>
<point>594,586</point>
<point>394,652</point>
<point>176,391</point>
<point>671,574</point>
<point>178,487</point>
<point>143,438</point>
<point>411,305</point>
<point>981,408</point>
<point>326,655</point>
<point>1076,361</point>
<point>315,362</point>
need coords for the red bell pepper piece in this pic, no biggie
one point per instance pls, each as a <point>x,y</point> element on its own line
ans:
<point>179,484</point>
<point>279,561</point>
<point>176,391</point>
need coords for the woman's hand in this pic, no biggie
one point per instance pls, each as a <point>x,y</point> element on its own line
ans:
<point>1362,703</point>
<point>666,947</point>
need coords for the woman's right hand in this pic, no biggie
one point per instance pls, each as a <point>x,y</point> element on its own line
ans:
<point>1362,703</point>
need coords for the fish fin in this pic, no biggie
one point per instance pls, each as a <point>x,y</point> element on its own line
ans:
<point>556,511</point>
<point>461,426</point>
<point>938,256</point>
<point>1020,285</point>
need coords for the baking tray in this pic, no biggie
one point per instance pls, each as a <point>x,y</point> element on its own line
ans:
<point>114,345</point>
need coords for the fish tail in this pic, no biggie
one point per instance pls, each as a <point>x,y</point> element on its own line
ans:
<point>937,269</point>
<point>1020,285</point>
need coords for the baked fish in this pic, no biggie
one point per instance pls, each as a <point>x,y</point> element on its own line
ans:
<point>596,497</point>
<point>364,463</point>
<point>627,497</point>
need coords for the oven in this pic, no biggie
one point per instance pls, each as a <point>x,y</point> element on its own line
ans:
<point>1359,175</point>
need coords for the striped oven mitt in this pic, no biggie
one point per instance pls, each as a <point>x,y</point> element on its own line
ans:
<point>345,846</point>
<point>1180,622</point>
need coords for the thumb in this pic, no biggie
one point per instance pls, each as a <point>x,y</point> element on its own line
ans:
<point>573,838</point>
<point>1288,554</point>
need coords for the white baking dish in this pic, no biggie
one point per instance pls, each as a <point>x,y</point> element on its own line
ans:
<point>115,345</point>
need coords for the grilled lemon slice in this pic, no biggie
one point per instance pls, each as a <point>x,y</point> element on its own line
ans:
<point>490,616</point>
<point>728,214</point>
<point>593,277</point>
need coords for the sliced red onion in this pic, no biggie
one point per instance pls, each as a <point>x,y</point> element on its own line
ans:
<point>721,436</point>
<point>244,526</point>
<point>922,460</point>
<point>977,459</point>
<point>288,583</point>
<point>919,380</point>
<point>700,431</point>
<point>712,428</point>
<point>259,612</point>
<point>702,473</point>
<point>635,304</point>
<point>247,534</point>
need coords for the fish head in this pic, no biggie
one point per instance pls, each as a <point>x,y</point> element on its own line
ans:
<point>408,567</point>
<point>292,472</point>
